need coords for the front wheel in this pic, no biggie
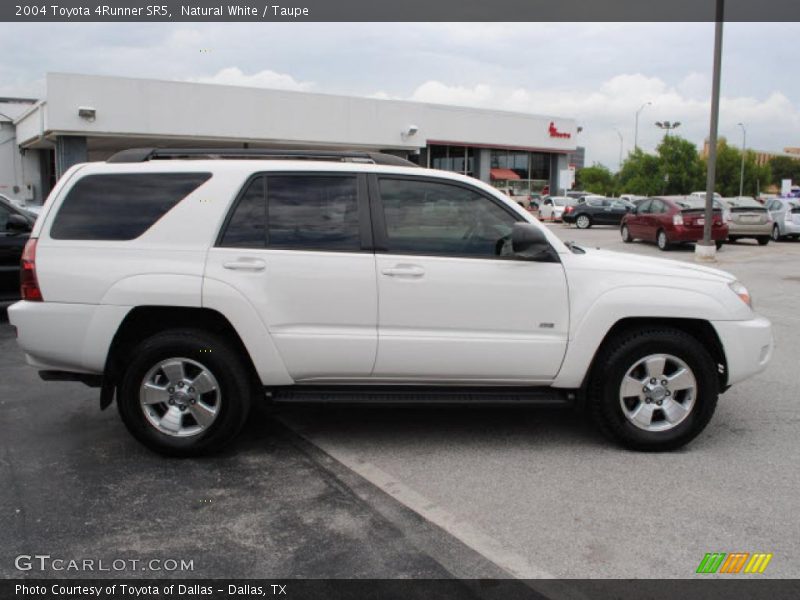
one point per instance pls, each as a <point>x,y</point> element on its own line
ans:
<point>583,222</point>
<point>776,233</point>
<point>662,241</point>
<point>185,393</point>
<point>626,234</point>
<point>654,389</point>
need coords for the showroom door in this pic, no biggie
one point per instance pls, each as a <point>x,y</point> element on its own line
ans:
<point>293,246</point>
<point>454,303</point>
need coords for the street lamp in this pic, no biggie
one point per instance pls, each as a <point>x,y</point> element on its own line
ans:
<point>668,126</point>
<point>744,145</point>
<point>619,133</point>
<point>636,127</point>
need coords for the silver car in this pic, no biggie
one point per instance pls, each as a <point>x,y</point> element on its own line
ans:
<point>785,213</point>
<point>747,218</point>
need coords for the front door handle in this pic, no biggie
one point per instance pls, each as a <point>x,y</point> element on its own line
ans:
<point>404,271</point>
<point>245,265</point>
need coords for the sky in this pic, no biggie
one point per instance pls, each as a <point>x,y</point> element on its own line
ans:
<point>597,73</point>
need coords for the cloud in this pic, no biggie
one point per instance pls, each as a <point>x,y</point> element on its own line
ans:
<point>263,79</point>
<point>613,105</point>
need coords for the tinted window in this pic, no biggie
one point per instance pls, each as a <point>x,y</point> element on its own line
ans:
<point>313,212</point>
<point>120,207</point>
<point>644,207</point>
<point>247,227</point>
<point>4,212</point>
<point>657,207</point>
<point>435,218</point>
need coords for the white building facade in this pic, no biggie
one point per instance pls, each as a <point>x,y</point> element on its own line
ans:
<point>88,117</point>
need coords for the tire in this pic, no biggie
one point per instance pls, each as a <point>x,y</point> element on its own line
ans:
<point>763,240</point>
<point>626,234</point>
<point>776,233</point>
<point>718,244</point>
<point>633,349</point>
<point>222,408</point>
<point>662,241</point>
<point>583,221</point>
<point>733,239</point>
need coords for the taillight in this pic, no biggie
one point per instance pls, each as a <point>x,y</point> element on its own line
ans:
<point>677,219</point>
<point>726,216</point>
<point>29,284</point>
<point>568,209</point>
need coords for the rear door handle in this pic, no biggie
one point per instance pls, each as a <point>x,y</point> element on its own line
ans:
<point>245,265</point>
<point>404,271</point>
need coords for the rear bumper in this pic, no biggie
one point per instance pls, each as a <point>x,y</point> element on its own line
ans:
<point>66,337</point>
<point>695,234</point>
<point>756,229</point>
<point>748,346</point>
<point>789,228</point>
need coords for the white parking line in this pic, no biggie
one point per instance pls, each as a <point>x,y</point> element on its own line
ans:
<point>516,565</point>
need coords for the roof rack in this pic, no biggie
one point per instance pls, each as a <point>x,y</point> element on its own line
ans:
<point>134,155</point>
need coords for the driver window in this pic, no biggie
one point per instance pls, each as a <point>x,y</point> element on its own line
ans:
<point>425,217</point>
<point>4,212</point>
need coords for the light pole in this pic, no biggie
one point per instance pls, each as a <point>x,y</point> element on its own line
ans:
<point>619,133</point>
<point>706,250</point>
<point>668,126</point>
<point>636,126</point>
<point>744,145</point>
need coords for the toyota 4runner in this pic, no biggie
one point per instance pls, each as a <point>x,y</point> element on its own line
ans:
<point>190,285</point>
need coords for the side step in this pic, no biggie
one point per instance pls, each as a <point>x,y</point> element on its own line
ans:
<point>421,395</point>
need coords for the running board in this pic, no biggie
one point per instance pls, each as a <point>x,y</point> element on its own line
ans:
<point>421,395</point>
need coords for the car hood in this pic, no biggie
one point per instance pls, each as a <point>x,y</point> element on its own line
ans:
<point>609,260</point>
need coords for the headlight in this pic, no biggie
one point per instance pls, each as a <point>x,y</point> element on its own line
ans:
<point>742,292</point>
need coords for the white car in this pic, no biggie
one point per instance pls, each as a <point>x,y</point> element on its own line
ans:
<point>190,289</point>
<point>553,207</point>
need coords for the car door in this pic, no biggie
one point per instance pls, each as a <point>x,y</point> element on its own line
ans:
<point>455,304</point>
<point>11,245</point>
<point>298,247</point>
<point>638,220</point>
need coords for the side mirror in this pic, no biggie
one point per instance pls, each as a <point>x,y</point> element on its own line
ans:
<point>18,224</point>
<point>528,241</point>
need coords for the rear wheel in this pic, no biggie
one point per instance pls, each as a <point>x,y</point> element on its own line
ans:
<point>654,389</point>
<point>763,240</point>
<point>626,234</point>
<point>661,240</point>
<point>733,239</point>
<point>776,233</point>
<point>718,244</point>
<point>185,393</point>
<point>583,222</point>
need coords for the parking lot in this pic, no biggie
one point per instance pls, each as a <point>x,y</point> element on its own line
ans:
<point>410,492</point>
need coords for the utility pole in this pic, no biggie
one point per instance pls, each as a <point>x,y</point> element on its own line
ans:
<point>741,172</point>
<point>636,126</point>
<point>619,133</point>
<point>707,250</point>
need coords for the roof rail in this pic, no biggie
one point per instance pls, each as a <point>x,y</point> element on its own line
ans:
<point>134,155</point>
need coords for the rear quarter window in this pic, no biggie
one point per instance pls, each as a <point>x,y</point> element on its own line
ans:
<point>119,207</point>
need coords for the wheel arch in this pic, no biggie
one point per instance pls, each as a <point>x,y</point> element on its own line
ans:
<point>700,329</point>
<point>142,322</point>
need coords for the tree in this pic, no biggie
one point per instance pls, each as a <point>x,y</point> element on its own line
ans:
<point>680,166</point>
<point>728,171</point>
<point>640,174</point>
<point>597,179</point>
<point>784,167</point>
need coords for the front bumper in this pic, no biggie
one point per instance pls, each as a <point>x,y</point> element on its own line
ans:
<point>748,346</point>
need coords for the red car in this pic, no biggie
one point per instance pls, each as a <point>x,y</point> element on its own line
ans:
<point>668,220</point>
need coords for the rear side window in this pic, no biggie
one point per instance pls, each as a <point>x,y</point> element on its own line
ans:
<point>313,213</point>
<point>120,207</point>
<point>247,227</point>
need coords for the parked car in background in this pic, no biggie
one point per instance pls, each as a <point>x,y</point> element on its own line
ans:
<point>785,213</point>
<point>747,218</point>
<point>21,204</point>
<point>631,197</point>
<point>703,195</point>
<point>553,207</point>
<point>595,210</point>
<point>668,220</point>
<point>15,228</point>
<point>577,194</point>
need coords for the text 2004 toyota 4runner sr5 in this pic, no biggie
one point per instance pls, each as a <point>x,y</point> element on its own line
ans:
<point>189,286</point>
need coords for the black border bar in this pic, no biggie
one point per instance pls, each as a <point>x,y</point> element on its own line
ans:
<point>395,10</point>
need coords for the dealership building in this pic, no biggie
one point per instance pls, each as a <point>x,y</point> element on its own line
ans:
<point>87,118</point>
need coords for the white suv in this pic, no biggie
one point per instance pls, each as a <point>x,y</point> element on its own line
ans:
<point>191,284</point>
